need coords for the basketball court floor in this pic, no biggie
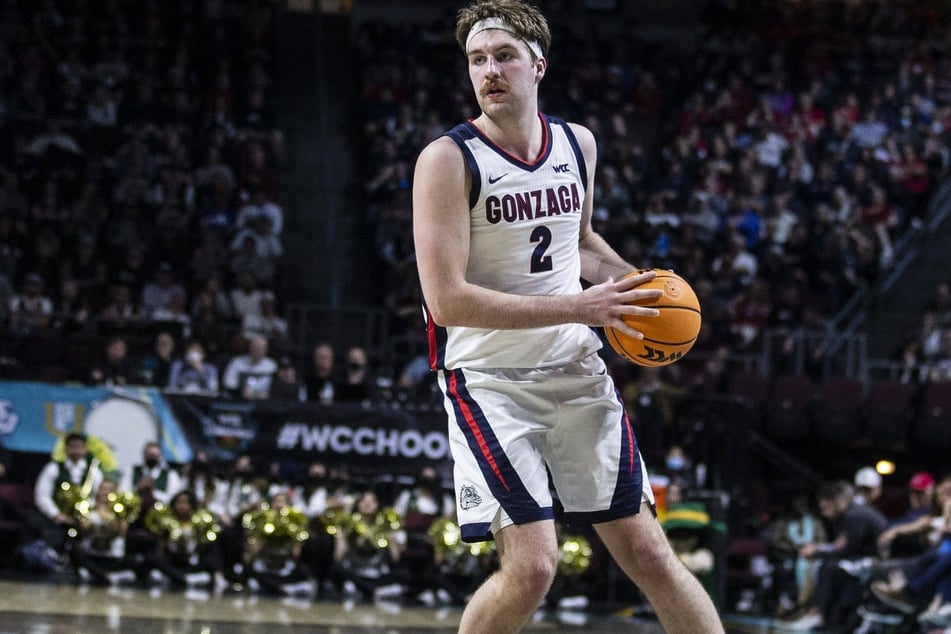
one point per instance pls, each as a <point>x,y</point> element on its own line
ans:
<point>36,607</point>
<point>53,608</point>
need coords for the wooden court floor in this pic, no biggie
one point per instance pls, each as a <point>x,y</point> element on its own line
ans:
<point>35,607</point>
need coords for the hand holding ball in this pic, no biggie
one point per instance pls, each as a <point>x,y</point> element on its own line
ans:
<point>668,336</point>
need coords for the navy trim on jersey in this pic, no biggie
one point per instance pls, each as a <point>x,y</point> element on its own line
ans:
<point>502,478</point>
<point>514,160</point>
<point>436,339</point>
<point>573,140</point>
<point>460,134</point>
<point>476,532</point>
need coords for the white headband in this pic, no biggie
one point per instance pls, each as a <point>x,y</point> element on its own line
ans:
<point>502,25</point>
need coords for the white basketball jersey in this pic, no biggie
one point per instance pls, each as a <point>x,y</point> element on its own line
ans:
<point>525,220</point>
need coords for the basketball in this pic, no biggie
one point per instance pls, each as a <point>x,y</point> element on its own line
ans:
<point>670,335</point>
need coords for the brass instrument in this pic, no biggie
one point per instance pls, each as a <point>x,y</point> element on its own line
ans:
<point>126,505</point>
<point>203,528</point>
<point>334,520</point>
<point>460,557</point>
<point>367,537</point>
<point>75,500</point>
<point>283,526</point>
<point>446,537</point>
<point>574,555</point>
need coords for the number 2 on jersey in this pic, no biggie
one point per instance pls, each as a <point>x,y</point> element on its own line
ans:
<point>541,262</point>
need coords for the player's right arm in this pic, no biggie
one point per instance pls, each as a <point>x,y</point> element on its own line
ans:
<point>441,233</point>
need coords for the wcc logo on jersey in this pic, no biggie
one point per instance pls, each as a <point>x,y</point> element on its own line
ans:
<point>469,497</point>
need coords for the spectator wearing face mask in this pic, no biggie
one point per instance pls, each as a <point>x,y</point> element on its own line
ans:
<point>154,480</point>
<point>679,468</point>
<point>358,382</point>
<point>194,374</point>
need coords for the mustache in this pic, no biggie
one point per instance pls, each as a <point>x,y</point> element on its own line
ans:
<point>492,85</point>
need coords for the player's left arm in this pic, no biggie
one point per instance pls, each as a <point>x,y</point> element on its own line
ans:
<point>599,262</point>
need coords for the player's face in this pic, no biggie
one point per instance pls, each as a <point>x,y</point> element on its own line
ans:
<point>502,72</point>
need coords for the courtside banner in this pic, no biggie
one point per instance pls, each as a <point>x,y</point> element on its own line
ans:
<point>370,437</point>
<point>33,416</point>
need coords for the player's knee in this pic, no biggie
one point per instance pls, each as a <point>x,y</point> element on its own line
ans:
<point>534,575</point>
<point>654,562</point>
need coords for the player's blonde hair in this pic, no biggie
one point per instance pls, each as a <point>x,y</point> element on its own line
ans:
<point>526,21</point>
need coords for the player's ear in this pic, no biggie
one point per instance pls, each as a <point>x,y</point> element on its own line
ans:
<point>541,64</point>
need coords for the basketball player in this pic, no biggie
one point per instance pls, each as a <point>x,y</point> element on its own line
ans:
<point>502,210</point>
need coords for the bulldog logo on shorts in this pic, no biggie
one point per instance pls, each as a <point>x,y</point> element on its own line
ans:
<point>468,497</point>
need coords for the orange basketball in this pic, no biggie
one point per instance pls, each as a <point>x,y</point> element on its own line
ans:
<point>668,336</point>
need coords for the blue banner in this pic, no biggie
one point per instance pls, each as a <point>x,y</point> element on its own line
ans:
<point>33,416</point>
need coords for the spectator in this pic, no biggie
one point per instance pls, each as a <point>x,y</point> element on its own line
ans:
<point>370,546</point>
<point>86,266</point>
<point>258,205</point>
<point>55,515</point>
<point>246,296</point>
<point>276,533</point>
<point>72,308</point>
<point>800,525</point>
<point>320,377</point>
<point>924,581</point>
<point>30,310</point>
<point>155,367</point>
<point>175,315</point>
<point>130,271</point>
<point>250,375</point>
<point>358,383</point>
<point>152,479</point>
<point>286,386</point>
<point>200,477</point>
<point>193,373</point>
<point>99,553</point>
<point>247,258</point>
<point>419,506</point>
<point>211,315</point>
<point>858,526</point>
<point>244,494</point>
<point>267,323</point>
<point>121,306</point>
<point>417,379</point>
<point>688,529</point>
<point>159,294</point>
<point>116,367</point>
<point>940,304</point>
<point>907,536</point>
<point>212,303</point>
<point>186,555</point>
<point>868,484</point>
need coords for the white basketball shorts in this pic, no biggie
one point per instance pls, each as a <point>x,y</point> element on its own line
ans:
<point>510,428</point>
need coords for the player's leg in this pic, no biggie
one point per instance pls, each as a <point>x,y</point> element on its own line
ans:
<point>641,549</point>
<point>528,557</point>
<point>502,488</point>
